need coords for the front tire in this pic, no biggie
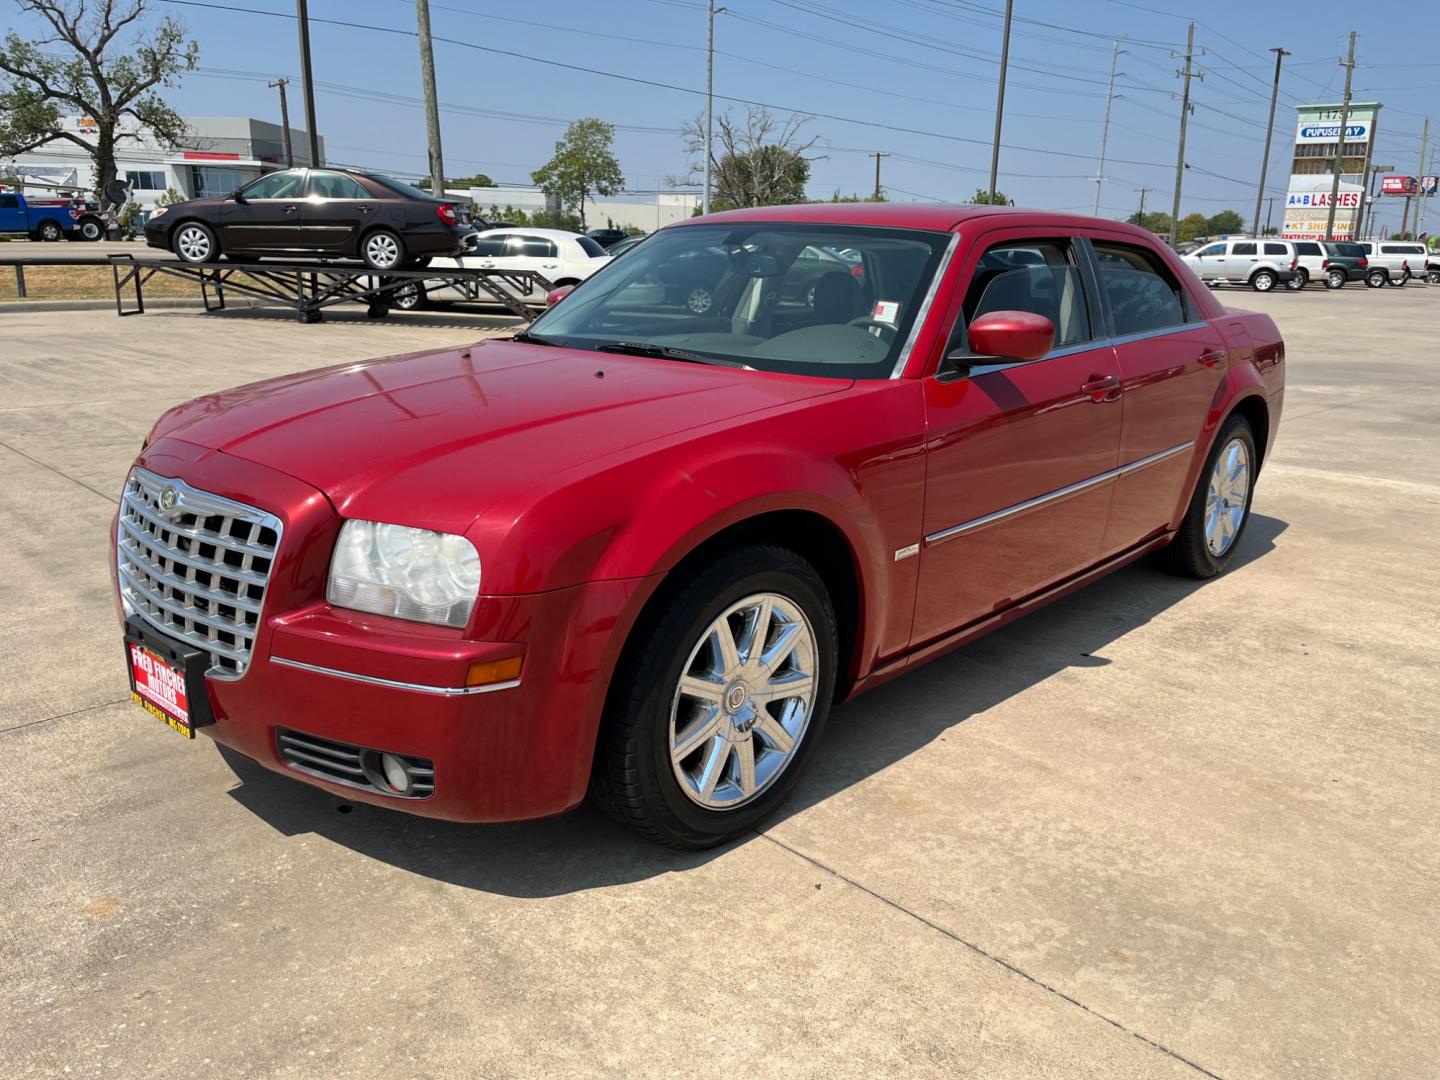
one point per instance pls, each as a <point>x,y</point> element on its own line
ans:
<point>1219,509</point>
<point>194,242</point>
<point>382,250</point>
<point>49,232</point>
<point>721,700</point>
<point>410,297</point>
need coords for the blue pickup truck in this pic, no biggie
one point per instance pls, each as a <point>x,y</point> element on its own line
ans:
<point>50,219</point>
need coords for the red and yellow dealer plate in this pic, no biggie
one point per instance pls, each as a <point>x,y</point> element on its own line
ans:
<point>158,687</point>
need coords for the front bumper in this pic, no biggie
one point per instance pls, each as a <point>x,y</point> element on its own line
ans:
<point>157,235</point>
<point>500,753</point>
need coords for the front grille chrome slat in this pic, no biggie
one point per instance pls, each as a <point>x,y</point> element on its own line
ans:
<point>212,600</point>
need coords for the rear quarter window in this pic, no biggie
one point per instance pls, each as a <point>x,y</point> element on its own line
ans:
<point>591,247</point>
<point>1277,249</point>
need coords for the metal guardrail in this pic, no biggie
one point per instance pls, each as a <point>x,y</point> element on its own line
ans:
<point>306,286</point>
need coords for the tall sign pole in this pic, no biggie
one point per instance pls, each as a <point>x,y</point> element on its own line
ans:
<point>1110,97</point>
<point>1000,101</point>
<point>1349,65</point>
<point>285,121</point>
<point>709,99</point>
<point>302,18</point>
<point>432,103</point>
<point>1280,55</point>
<point>1184,116</point>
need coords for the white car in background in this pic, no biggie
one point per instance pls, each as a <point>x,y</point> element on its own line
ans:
<point>562,258</point>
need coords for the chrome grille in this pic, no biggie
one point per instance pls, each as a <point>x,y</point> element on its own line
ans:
<point>197,569</point>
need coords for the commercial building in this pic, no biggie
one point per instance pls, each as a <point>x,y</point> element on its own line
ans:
<point>647,211</point>
<point>220,154</point>
<point>1321,149</point>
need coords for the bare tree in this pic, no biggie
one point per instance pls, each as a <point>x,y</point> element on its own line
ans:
<point>95,76</point>
<point>758,161</point>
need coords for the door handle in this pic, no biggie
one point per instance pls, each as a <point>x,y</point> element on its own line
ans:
<point>1211,357</point>
<point>548,266</point>
<point>291,209</point>
<point>363,209</point>
<point>1102,388</point>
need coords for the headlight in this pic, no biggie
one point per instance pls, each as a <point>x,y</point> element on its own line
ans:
<point>408,573</point>
<point>158,211</point>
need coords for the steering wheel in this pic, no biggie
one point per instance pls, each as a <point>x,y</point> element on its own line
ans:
<point>867,322</point>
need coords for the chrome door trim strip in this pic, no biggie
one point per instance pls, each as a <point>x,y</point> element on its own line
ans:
<point>395,684</point>
<point>1057,495</point>
<point>1164,331</point>
<point>925,304</point>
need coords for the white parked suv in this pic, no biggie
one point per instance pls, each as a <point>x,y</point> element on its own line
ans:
<point>1260,263</point>
<point>1393,262</point>
<point>562,258</point>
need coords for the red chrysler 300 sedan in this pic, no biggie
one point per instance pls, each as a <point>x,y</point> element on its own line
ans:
<point>641,550</point>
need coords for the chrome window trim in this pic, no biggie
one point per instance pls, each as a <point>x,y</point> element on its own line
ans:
<point>1058,495</point>
<point>1084,346</point>
<point>925,304</point>
<point>396,684</point>
<point>1164,331</point>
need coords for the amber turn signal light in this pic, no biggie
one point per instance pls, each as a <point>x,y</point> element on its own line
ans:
<point>486,672</point>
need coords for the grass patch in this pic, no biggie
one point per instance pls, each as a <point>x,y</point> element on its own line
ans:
<point>85,283</point>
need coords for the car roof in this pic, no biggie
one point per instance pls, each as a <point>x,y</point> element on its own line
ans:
<point>938,217</point>
<point>544,234</point>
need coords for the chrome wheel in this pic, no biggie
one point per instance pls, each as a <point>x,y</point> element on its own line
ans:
<point>699,300</point>
<point>1264,281</point>
<point>382,251</point>
<point>744,701</point>
<point>1227,497</point>
<point>193,244</point>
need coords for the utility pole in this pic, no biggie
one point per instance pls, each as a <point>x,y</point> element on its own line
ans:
<point>877,156</point>
<point>307,80</point>
<point>1000,101</point>
<point>1269,212</point>
<point>1110,97</point>
<point>710,12</point>
<point>1141,215</point>
<point>1419,172</point>
<point>284,121</point>
<point>1349,66</point>
<point>1280,55</point>
<point>432,105</point>
<point>1184,117</point>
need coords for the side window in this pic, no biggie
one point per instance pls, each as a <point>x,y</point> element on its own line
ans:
<point>334,185</point>
<point>488,247</point>
<point>9,202</point>
<point>1213,249</point>
<point>1243,249</point>
<point>1276,249</point>
<point>536,247</point>
<point>1143,296</point>
<point>280,185</point>
<point>1308,249</point>
<point>1035,276</point>
<point>591,248</point>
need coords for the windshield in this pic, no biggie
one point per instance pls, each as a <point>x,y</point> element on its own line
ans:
<point>400,186</point>
<point>832,300</point>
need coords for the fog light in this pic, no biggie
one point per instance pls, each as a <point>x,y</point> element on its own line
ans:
<point>396,774</point>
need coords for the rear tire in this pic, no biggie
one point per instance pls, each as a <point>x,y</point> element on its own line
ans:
<point>410,297</point>
<point>1263,280</point>
<point>1335,279</point>
<point>1219,509</point>
<point>92,229</point>
<point>1377,279</point>
<point>696,748</point>
<point>382,249</point>
<point>1299,281</point>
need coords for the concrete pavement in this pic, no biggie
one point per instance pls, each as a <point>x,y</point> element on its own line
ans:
<point>1158,829</point>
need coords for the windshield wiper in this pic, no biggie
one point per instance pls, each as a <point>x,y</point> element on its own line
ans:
<point>664,352</point>
<point>528,338</point>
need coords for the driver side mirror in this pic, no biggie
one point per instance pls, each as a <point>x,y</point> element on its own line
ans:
<point>1011,335</point>
<point>236,196</point>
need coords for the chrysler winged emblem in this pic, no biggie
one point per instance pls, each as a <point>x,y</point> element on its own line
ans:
<point>168,497</point>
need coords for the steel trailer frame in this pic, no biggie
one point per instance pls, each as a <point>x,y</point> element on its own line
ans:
<point>306,286</point>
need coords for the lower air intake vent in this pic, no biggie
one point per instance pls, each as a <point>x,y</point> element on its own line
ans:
<point>396,775</point>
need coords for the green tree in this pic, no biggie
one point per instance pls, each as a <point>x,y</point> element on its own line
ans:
<point>1226,221</point>
<point>1155,221</point>
<point>583,164</point>
<point>982,198</point>
<point>838,198</point>
<point>169,197</point>
<point>82,66</point>
<point>1193,225</point>
<point>478,180</point>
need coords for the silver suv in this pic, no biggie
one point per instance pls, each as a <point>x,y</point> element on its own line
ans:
<point>1393,262</point>
<point>1260,263</point>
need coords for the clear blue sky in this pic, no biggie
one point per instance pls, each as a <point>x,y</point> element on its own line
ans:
<point>924,65</point>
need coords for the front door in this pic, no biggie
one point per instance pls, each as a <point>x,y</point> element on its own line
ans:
<point>1020,455</point>
<point>1171,362</point>
<point>1209,262</point>
<point>12,217</point>
<point>266,216</point>
<point>336,209</point>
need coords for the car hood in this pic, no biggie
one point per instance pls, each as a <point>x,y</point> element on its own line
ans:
<point>431,439</point>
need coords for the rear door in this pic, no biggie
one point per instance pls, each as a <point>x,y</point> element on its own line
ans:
<point>336,208</point>
<point>1019,454</point>
<point>1171,361</point>
<point>270,216</point>
<point>1240,260</point>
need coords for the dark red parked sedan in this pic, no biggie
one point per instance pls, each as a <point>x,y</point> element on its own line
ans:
<point>641,551</point>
